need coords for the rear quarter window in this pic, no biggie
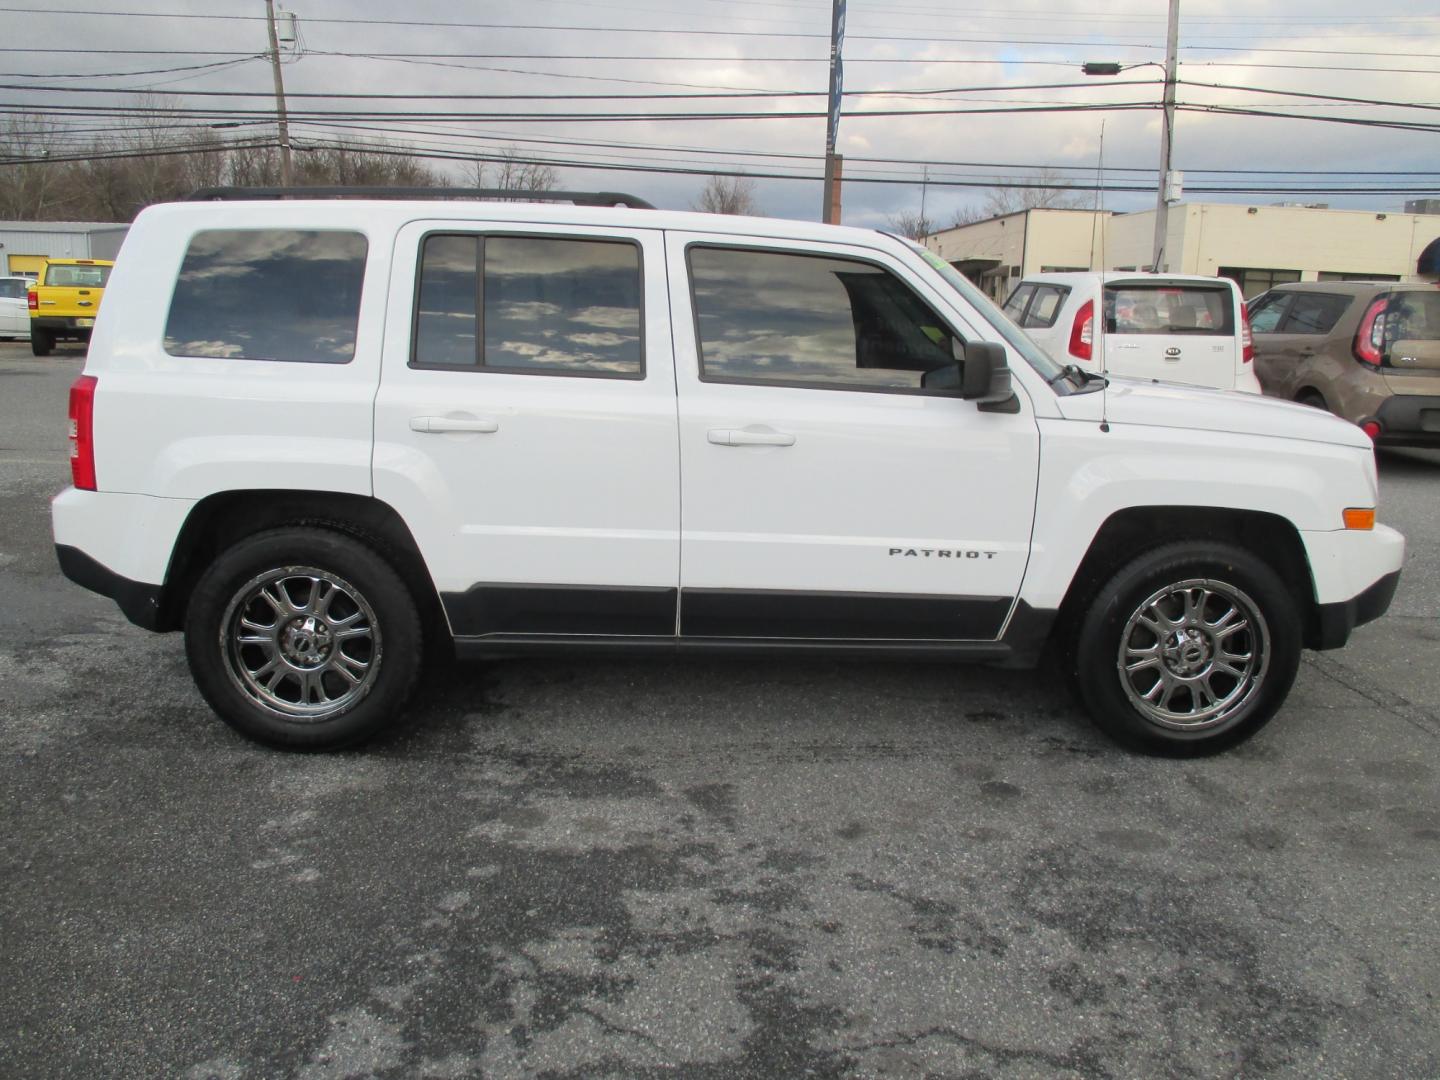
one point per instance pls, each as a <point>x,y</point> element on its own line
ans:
<point>268,294</point>
<point>1169,309</point>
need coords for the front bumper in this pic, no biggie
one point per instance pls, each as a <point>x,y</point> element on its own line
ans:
<point>1333,622</point>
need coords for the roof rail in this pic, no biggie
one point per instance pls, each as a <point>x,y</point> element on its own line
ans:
<point>579,198</point>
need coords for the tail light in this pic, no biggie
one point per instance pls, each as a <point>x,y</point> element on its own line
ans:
<point>82,432</point>
<point>32,300</point>
<point>1371,334</point>
<point>1247,338</point>
<point>1082,333</point>
<point>1372,428</point>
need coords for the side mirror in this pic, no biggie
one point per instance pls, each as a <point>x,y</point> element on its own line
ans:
<point>986,377</point>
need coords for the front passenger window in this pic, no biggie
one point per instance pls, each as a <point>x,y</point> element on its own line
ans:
<point>813,320</point>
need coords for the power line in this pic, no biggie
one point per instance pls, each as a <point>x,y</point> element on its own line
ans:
<point>1090,85</point>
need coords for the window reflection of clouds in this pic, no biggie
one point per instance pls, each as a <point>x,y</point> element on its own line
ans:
<point>591,287</point>
<point>276,294</point>
<point>445,330</point>
<point>781,317</point>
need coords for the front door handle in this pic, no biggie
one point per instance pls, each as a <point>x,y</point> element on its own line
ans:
<point>746,437</point>
<point>435,425</point>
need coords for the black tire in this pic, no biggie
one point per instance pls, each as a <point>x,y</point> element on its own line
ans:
<point>340,661</point>
<point>41,342</point>
<point>1215,682</point>
<point>1312,398</point>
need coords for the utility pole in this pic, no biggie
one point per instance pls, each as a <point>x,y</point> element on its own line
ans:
<point>830,205</point>
<point>1167,138</point>
<point>286,177</point>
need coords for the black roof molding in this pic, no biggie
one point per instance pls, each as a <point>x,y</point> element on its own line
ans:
<point>579,198</point>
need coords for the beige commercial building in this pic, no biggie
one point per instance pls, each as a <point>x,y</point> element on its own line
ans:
<point>1258,246</point>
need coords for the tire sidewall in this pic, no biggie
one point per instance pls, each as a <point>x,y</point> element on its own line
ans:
<point>345,557</point>
<point>1100,683</point>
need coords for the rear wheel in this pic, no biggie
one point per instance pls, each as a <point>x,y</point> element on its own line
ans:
<point>1188,650</point>
<point>1313,399</point>
<point>41,342</point>
<point>303,638</point>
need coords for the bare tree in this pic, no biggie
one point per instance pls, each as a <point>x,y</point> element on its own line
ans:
<point>728,195</point>
<point>913,224</point>
<point>1048,189</point>
<point>29,185</point>
<point>511,173</point>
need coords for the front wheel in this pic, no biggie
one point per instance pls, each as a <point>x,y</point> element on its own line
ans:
<point>303,638</point>
<point>1188,650</point>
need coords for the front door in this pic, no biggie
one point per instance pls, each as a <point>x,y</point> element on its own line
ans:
<point>827,493</point>
<point>525,426</point>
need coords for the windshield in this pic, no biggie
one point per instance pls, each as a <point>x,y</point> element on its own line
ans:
<point>1035,356</point>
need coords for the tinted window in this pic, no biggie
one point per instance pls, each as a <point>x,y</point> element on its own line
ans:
<point>1045,306</point>
<point>1314,313</point>
<point>546,306</point>
<point>13,290</point>
<point>268,294</point>
<point>77,277</point>
<point>448,301</point>
<point>1015,306</point>
<point>1169,309</point>
<point>1265,315</point>
<point>775,317</point>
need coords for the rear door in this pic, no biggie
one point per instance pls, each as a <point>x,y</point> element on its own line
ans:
<point>1411,342</point>
<point>1296,357</point>
<point>1176,331</point>
<point>525,426</point>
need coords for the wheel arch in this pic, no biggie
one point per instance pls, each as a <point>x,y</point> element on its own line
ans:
<point>220,520</point>
<point>1130,532</point>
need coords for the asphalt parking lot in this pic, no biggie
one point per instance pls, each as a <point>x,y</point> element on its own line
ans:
<point>701,868</point>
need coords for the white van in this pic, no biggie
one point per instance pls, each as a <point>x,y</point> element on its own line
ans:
<point>1171,327</point>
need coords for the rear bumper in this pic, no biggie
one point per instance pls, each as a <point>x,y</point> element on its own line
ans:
<point>62,325</point>
<point>1409,420</point>
<point>1335,621</point>
<point>140,602</point>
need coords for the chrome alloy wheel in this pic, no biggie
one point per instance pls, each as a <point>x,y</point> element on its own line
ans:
<point>1194,654</point>
<point>301,643</point>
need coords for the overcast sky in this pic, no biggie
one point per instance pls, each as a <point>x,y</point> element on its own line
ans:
<point>1388,50</point>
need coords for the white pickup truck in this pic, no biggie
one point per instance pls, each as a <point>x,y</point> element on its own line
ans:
<point>320,435</point>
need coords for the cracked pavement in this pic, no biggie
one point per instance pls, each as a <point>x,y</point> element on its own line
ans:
<point>703,868</point>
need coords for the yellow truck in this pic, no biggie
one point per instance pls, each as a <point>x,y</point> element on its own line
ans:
<point>64,300</point>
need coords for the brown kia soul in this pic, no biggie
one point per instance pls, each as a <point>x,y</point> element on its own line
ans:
<point>1367,351</point>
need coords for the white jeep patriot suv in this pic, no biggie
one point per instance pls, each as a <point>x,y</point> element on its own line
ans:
<point>320,434</point>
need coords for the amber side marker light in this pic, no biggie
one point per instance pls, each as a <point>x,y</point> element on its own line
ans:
<point>1357,518</point>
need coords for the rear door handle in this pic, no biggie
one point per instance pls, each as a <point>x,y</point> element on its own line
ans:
<point>435,425</point>
<point>745,437</point>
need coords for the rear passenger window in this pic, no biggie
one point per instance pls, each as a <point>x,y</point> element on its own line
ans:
<point>268,294</point>
<point>812,320</point>
<point>1169,309</point>
<point>1045,306</point>
<point>1314,313</point>
<point>529,305</point>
